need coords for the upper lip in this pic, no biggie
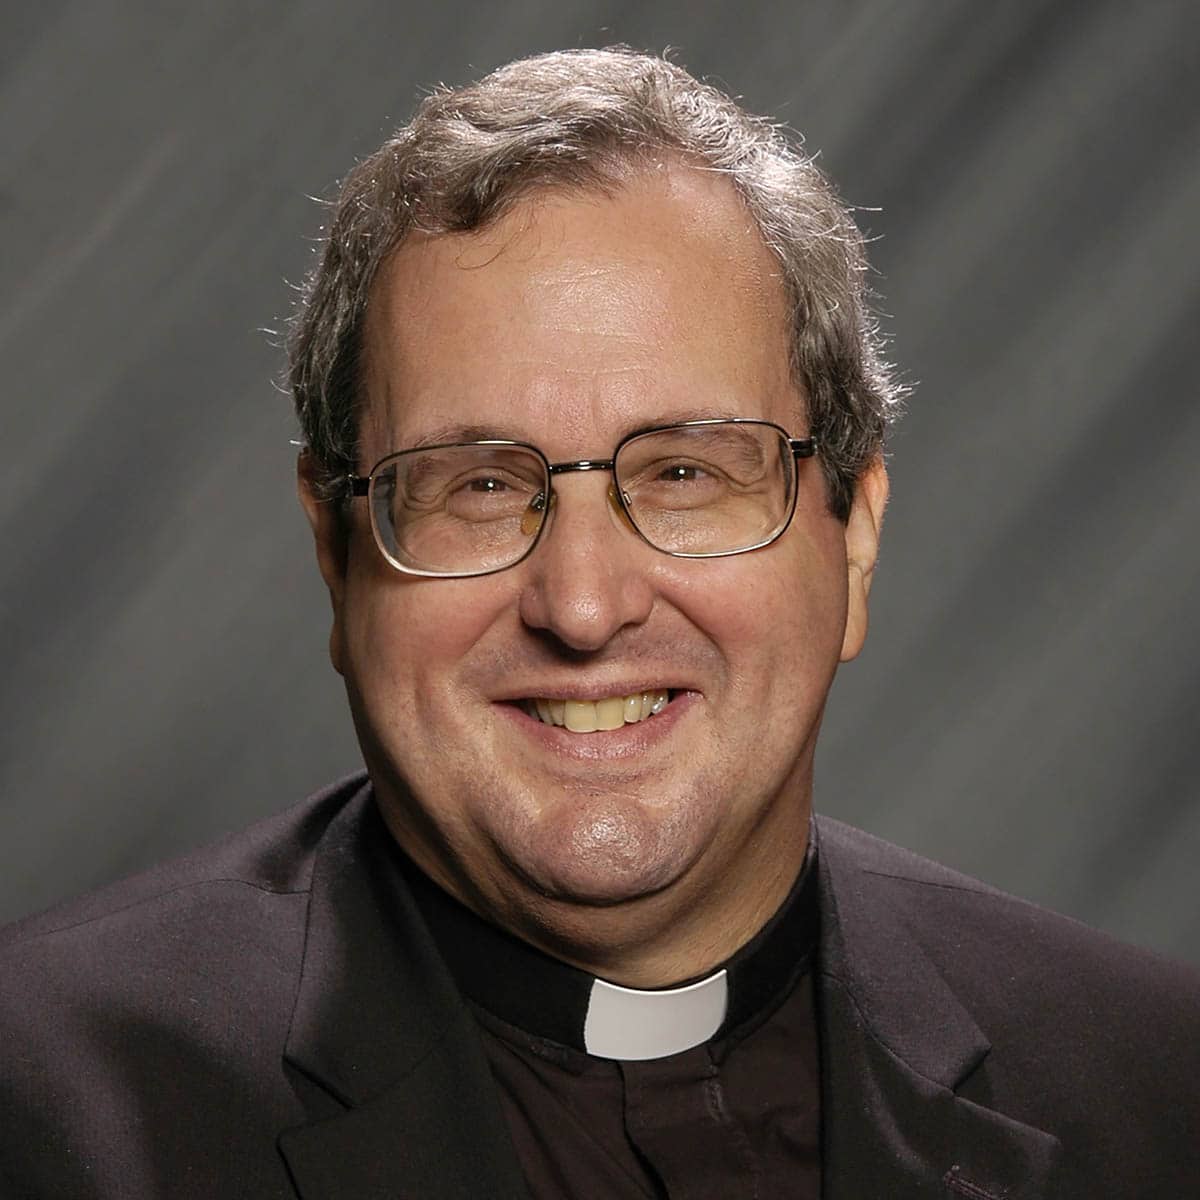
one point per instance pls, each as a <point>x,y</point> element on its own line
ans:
<point>589,690</point>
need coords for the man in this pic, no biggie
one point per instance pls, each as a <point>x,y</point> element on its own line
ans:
<point>593,412</point>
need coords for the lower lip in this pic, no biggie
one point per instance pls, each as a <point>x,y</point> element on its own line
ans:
<point>628,741</point>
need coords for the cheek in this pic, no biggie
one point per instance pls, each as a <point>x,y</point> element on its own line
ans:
<point>407,637</point>
<point>777,617</point>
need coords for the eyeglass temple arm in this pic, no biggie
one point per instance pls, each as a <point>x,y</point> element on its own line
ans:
<point>803,447</point>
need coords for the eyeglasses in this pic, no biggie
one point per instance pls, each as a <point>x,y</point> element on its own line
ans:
<point>701,489</point>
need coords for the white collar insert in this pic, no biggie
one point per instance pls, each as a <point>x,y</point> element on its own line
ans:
<point>625,1023</point>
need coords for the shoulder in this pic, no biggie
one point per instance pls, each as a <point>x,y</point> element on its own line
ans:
<point>158,1007</point>
<point>969,927</point>
<point>1059,1002</point>
<point>274,856</point>
<point>238,898</point>
<point>1058,1027</point>
<point>228,899</point>
<point>222,922</point>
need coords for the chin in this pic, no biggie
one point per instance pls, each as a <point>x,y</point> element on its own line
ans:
<point>609,853</point>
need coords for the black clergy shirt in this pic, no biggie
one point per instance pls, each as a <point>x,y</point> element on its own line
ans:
<point>737,1115</point>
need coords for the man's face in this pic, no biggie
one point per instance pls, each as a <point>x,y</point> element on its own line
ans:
<point>570,323</point>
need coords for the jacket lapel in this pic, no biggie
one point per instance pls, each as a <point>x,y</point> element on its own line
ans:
<point>409,1109</point>
<point>896,1044</point>
<point>408,1106</point>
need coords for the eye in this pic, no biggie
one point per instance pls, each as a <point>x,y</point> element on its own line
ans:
<point>489,485</point>
<point>488,495</point>
<point>681,473</point>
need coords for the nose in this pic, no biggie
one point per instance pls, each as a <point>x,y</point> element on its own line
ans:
<point>590,575</point>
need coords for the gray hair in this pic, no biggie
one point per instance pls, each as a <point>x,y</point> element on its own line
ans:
<point>586,119</point>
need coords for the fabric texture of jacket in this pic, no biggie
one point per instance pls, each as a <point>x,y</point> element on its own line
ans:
<point>269,1018</point>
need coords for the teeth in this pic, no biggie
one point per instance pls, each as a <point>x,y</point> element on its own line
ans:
<point>581,716</point>
<point>610,713</point>
<point>588,716</point>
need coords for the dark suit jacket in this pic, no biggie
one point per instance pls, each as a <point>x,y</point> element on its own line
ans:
<point>269,1018</point>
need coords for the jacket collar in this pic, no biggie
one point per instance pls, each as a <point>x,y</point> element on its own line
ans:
<point>896,1044</point>
<point>380,1027</point>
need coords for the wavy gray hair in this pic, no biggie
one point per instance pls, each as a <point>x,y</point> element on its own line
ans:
<point>585,119</point>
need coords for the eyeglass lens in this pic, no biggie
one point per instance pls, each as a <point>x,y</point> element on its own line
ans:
<point>699,490</point>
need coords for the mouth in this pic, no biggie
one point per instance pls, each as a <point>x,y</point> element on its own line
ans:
<point>601,714</point>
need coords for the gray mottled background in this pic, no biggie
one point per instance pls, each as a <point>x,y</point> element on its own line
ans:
<point>1027,706</point>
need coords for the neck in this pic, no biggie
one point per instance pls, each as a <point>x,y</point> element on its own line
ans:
<point>681,932</point>
<point>673,935</point>
<point>524,989</point>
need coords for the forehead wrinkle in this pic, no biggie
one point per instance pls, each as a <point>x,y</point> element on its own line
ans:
<point>555,284</point>
<point>604,301</point>
<point>449,433</point>
<point>590,328</point>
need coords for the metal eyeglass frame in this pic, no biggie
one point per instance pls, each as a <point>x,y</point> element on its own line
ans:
<point>360,485</point>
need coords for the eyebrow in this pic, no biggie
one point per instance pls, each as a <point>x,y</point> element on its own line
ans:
<point>443,435</point>
<point>449,434</point>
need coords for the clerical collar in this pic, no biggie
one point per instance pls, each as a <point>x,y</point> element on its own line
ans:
<point>551,1000</point>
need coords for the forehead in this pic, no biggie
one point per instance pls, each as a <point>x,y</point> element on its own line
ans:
<point>580,317</point>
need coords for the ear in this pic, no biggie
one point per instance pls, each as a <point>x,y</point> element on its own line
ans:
<point>329,535</point>
<point>862,550</point>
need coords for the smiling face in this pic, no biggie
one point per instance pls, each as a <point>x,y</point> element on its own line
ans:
<point>650,849</point>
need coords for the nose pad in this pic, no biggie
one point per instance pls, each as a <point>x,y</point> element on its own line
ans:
<point>540,508</point>
<point>588,583</point>
<point>619,508</point>
<point>536,513</point>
